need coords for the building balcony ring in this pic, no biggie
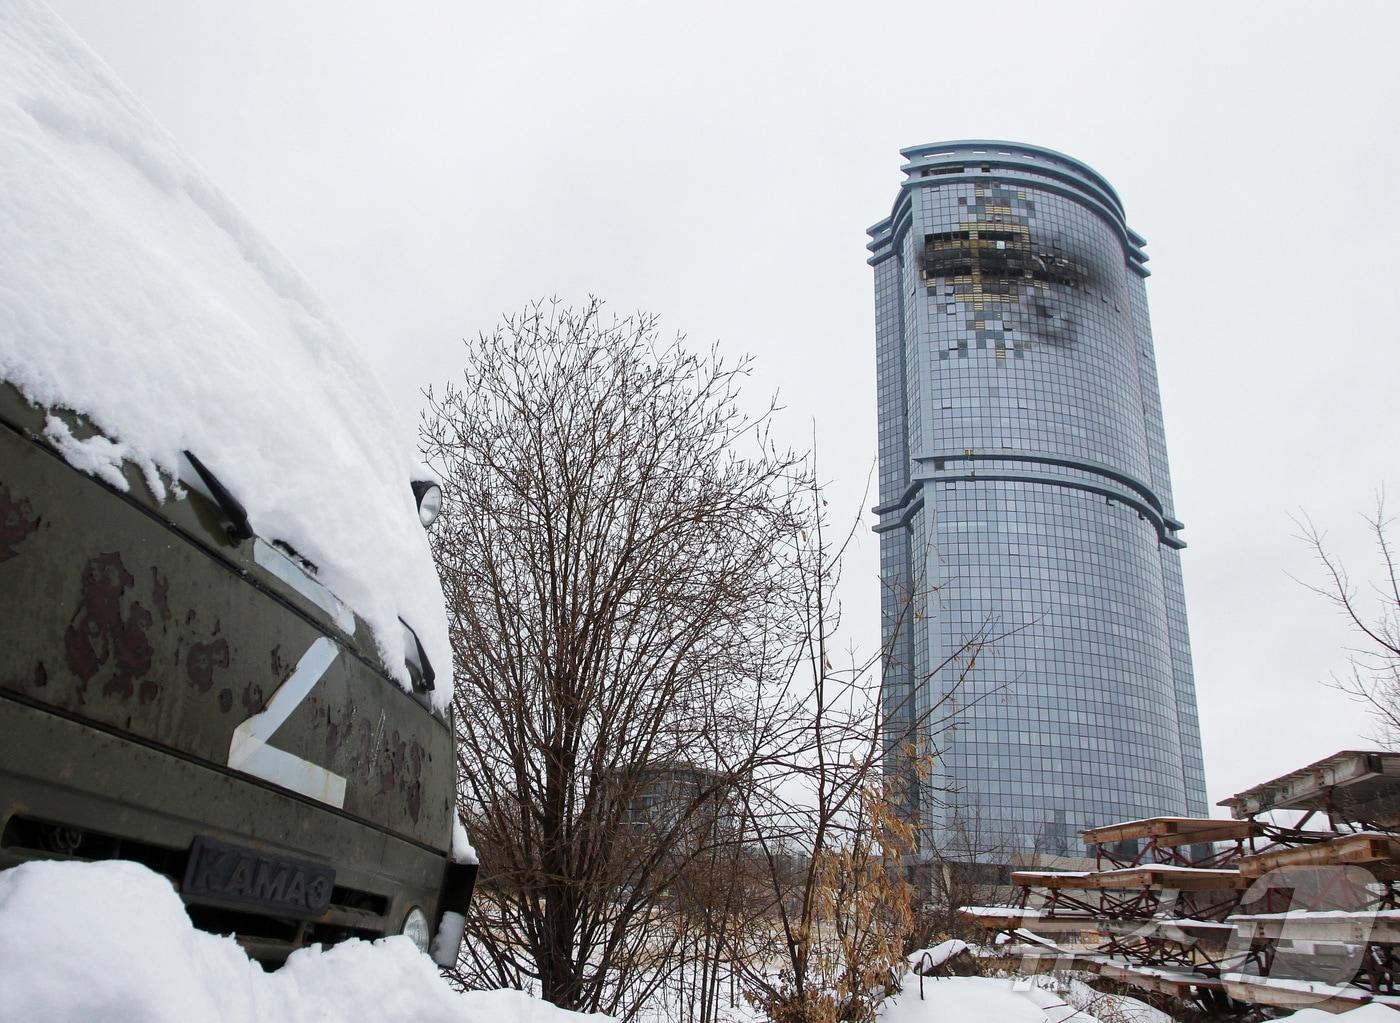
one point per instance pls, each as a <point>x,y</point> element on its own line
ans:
<point>1049,458</point>
<point>1166,532</point>
<point>902,522</point>
<point>910,492</point>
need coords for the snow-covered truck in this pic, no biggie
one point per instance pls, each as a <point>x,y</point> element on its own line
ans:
<point>223,646</point>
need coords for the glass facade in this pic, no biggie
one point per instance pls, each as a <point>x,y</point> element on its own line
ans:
<point>1024,494</point>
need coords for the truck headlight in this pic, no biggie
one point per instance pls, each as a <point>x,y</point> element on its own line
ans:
<point>429,497</point>
<point>415,928</point>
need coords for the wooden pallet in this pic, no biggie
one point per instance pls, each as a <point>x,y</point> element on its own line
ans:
<point>1147,878</point>
<point>1357,928</point>
<point>1379,853</point>
<point>1173,831</point>
<point>1009,919</point>
<point>1186,984</point>
<point>1177,983</point>
<point>1353,785</point>
<point>1296,994</point>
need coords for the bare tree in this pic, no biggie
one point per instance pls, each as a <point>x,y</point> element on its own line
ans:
<point>670,783</point>
<point>966,867</point>
<point>1373,611</point>
<point>832,944</point>
<point>617,548</point>
<point>828,830</point>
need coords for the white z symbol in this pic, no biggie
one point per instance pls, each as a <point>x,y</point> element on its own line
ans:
<point>250,753</point>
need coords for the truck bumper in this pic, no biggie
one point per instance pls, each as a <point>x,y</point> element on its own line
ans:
<point>73,790</point>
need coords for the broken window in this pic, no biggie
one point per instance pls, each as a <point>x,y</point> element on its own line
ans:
<point>994,255</point>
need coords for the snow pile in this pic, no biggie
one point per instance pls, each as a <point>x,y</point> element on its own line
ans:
<point>111,941</point>
<point>132,290</point>
<point>975,1000</point>
<point>926,960</point>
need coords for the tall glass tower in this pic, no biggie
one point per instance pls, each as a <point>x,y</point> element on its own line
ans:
<point>1024,493</point>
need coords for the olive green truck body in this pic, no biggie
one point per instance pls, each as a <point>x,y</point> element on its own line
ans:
<point>176,695</point>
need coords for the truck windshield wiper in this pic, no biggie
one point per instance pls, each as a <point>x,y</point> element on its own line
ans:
<point>237,515</point>
<point>419,667</point>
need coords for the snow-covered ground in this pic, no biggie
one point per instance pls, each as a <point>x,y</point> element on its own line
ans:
<point>84,942</point>
<point>133,290</point>
<point>1014,1000</point>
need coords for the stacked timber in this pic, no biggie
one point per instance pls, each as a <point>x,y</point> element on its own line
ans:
<point>1233,913</point>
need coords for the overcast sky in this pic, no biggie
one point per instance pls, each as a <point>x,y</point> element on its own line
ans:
<point>429,166</point>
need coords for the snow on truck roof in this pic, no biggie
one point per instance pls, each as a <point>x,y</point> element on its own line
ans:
<point>134,291</point>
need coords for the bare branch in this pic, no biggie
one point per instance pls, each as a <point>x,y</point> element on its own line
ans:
<point>1373,672</point>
